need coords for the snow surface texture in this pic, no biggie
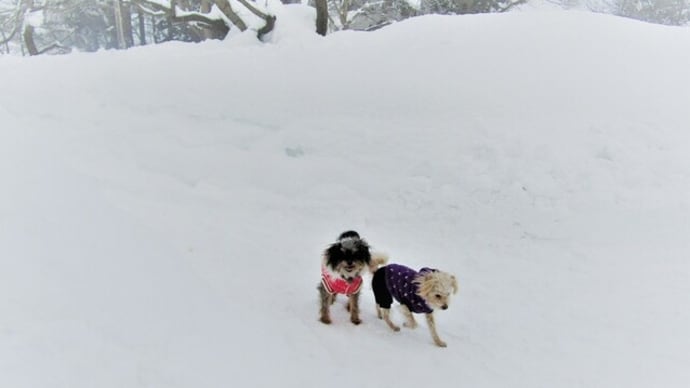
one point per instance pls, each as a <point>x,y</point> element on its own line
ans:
<point>163,209</point>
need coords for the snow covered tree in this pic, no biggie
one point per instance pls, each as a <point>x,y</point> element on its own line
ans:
<point>467,6</point>
<point>38,26</point>
<point>373,14</point>
<point>11,18</point>
<point>194,19</point>
<point>669,12</point>
<point>56,26</point>
<point>362,14</point>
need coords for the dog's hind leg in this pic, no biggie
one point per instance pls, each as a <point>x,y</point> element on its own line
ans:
<point>326,301</point>
<point>386,317</point>
<point>409,318</point>
<point>378,311</point>
<point>432,328</point>
<point>353,307</point>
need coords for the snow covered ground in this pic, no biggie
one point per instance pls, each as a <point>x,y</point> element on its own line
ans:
<point>163,209</point>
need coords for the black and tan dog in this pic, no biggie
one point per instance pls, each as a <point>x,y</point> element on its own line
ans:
<point>341,273</point>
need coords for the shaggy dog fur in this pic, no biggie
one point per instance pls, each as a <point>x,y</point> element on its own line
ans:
<point>417,292</point>
<point>342,266</point>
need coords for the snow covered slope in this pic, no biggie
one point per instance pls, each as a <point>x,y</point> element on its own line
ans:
<point>163,209</point>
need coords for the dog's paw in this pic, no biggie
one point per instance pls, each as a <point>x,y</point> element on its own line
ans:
<point>325,320</point>
<point>393,326</point>
<point>356,321</point>
<point>441,344</point>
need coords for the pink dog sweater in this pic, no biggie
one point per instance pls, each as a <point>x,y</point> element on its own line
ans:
<point>334,285</point>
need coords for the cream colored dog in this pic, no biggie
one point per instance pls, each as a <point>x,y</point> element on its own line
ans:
<point>418,292</point>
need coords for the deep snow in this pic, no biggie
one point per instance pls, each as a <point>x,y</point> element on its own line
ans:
<point>163,209</point>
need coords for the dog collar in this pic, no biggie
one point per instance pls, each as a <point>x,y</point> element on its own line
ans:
<point>426,270</point>
<point>334,285</point>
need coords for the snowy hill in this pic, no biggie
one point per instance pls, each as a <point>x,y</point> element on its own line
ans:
<point>164,208</point>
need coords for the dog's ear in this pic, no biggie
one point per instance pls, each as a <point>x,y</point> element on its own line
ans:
<point>454,283</point>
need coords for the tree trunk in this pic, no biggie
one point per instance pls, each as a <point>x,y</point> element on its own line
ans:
<point>142,27</point>
<point>28,34</point>
<point>119,25</point>
<point>184,5</point>
<point>29,40</point>
<point>4,41</point>
<point>126,11</point>
<point>206,6</point>
<point>270,24</point>
<point>321,17</point>
<point>155,30</point>
<point>342,14</point>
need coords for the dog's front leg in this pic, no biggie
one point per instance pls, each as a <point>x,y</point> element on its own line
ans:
<point>432,327</point>
<point>354,308</point>
<point>410,322</point>
<point>326,301</point>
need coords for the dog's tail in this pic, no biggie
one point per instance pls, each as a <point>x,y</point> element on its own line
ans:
<point>377,260</point>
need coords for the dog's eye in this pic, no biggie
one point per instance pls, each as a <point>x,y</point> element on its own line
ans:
<point>438,296</point>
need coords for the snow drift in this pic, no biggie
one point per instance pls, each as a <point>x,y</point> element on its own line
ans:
<point>164,208</point>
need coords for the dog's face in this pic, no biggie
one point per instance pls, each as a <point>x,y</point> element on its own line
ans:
<point>348,256</point>
<point>349,271</point>
<point>436,288</point>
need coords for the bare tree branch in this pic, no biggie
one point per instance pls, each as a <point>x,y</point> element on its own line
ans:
<point>157,9</point>
<point>511,5</point>
<point>224,6</point>
<point>6,39</point>
<point>55,45</point>
<point>269,19</point>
